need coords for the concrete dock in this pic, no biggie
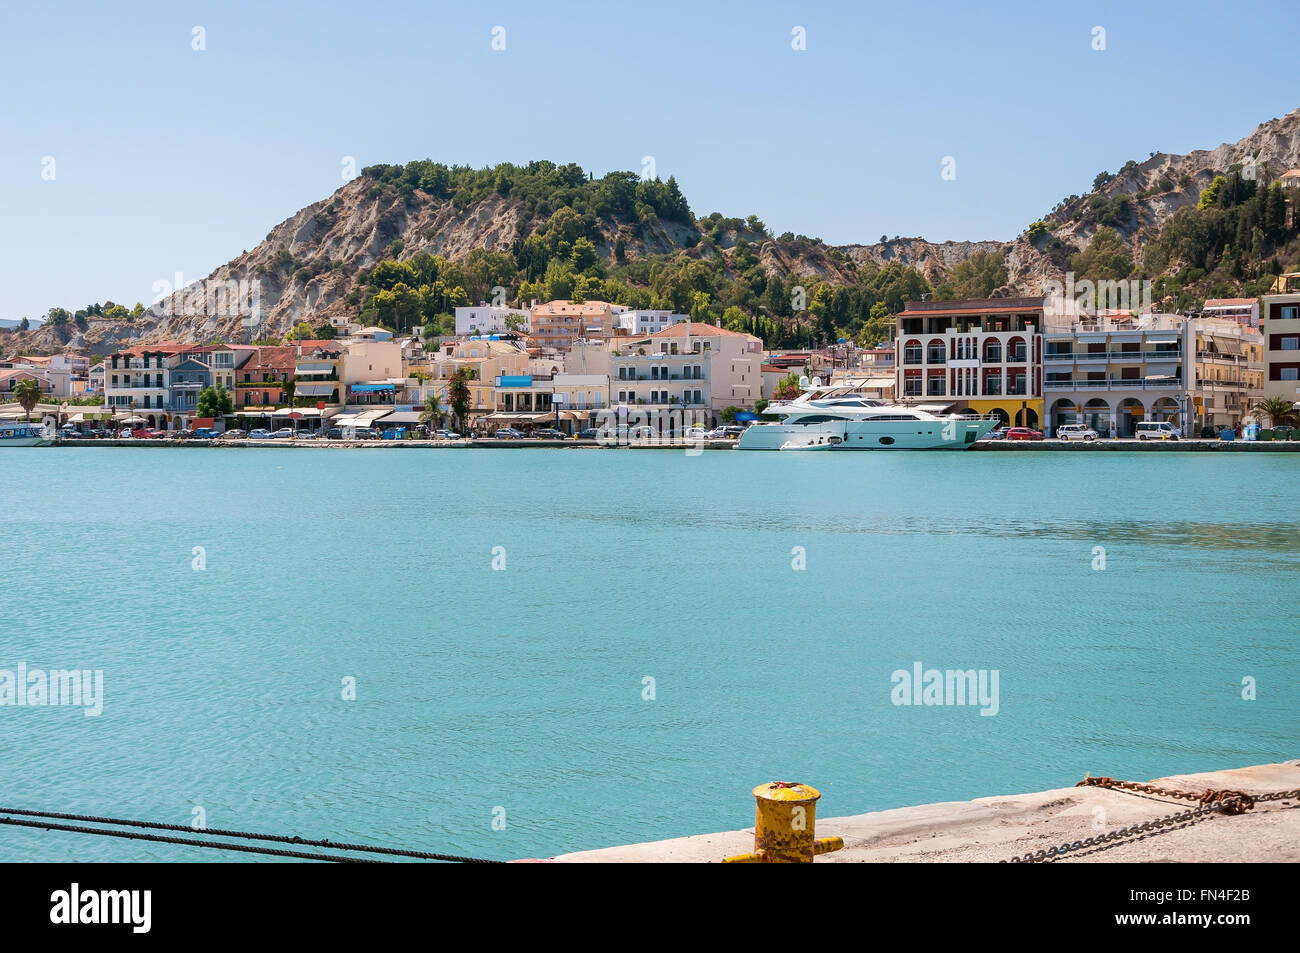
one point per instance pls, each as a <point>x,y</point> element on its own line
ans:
<point>991,829</point>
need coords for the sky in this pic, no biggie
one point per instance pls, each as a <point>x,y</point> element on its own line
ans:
<point>142,141</point>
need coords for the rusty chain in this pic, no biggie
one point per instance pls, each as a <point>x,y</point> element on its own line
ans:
<point>1208,802</point>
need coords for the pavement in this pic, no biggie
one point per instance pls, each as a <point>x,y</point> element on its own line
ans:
<point>990,829</point>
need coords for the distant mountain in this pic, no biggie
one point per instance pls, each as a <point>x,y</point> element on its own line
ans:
<point>531,228</point>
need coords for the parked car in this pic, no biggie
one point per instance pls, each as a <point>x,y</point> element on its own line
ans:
<point>366,433</point>
<point>235,435</point>
<point>1024,433</point>
<point>99,433</point>
<point>448,435</point>
<point>548,433</point>
<point>999,434</point>
<point>259,434</point>
<point>695,433</point>
<point>73,434</point>
<point>731,431</point>
<point>205,433</point>
<point>1075,432</point>
<point>284,433</point>
<point>305,435</point>
<point>508,433</point>
<point>643,432</point>
<point>591,433</point>
<point>1155,430</point>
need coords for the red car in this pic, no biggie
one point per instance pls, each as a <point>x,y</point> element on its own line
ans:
<point>1023,433</point>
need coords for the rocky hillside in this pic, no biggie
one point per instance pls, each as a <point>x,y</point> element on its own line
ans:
<point>314,264</point>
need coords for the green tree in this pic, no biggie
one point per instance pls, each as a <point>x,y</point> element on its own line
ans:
<point>458,391</point>
<point>787,388</point>
<point>28,394</point>
<point>1106,258</point>
<point>1278,409</point>
<point>432,412</point>
<point>214,402</point>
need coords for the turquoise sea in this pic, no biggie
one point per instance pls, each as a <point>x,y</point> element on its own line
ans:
<point>520,693</point>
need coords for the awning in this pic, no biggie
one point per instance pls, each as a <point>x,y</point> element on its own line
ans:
<point>1228,345</point>
<point>934,408</point>
<point>363,419</point>
<point>521,418</point>
<point>402,417</point>
<point>370,388</point>
<point>303,411</point>
<point>877,382</point>
<point>315,390</point>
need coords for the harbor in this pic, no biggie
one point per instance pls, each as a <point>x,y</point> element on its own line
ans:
<point>1008,827</point>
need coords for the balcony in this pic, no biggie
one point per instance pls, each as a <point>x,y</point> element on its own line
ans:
<point>1115,383</point>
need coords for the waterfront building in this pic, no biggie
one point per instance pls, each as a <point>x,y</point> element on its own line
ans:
<point>318,373</point>
<point>688,366</point>
<point>135,383</point>
<point>981,356</point>
<point>11,377</point>
<point>1228,367</point>
<point>1281,317</point>
<point>186,379</point>
<point>95,378</point>
<point>487,319</point>
<point>560,324</point>
<point>1111,371</point>
<point>261,379</point>
<point>567,402</point>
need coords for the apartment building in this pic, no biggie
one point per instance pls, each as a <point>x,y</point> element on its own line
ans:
<point>561,324</point>
<point>1281,326</point>
<point>688,366</point>
<point>488,319</point>
<point>642,321</point>
<point>980,356</point>
<point>1112,371</point>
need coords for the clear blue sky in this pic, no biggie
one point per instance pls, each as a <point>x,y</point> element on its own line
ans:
<point>169,159</point>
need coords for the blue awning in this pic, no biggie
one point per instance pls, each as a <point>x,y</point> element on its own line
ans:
<point>371,388</point>
<point>746,415</point>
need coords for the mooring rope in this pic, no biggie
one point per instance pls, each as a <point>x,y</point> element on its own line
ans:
<point>220,832</point>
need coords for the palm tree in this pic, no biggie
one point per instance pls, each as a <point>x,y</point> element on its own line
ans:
<point>1280,410</point>
<point>432,411</point>
<point>28,393</point>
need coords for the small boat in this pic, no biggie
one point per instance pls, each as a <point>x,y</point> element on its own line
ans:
<point>17,433</point>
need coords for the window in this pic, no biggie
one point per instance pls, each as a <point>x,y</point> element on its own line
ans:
<point>1290,373</point>
<point>1289,312</point>
<point>912,354</point>
<point>1291,344</point>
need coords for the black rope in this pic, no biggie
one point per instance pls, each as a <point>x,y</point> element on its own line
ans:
<point>219,832</point>
<point>189,842</point>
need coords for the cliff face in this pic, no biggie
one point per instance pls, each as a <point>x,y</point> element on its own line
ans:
<point>309,264</point>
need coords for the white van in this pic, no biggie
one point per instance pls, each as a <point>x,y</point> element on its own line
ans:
<point>1156,430</point>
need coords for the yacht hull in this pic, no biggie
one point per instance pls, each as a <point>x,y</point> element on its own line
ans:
<point>938,434</point>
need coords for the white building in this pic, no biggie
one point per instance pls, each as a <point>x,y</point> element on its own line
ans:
<point>485,319</point>
<point>648,322</point>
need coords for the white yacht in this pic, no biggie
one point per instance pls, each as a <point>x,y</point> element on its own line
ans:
<point>842,420</point>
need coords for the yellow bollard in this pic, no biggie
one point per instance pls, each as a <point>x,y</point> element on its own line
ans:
<point>785,822</point>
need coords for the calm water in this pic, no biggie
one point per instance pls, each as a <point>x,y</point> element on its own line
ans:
<point>522,689</point>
